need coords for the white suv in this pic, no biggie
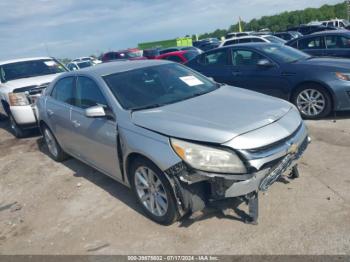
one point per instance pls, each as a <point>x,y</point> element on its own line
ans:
<point>21,82</point>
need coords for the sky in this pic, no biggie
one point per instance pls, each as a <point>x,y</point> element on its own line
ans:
<point>74,28</point>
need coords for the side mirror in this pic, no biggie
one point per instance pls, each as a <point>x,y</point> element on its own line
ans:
<point>95,111</point>
<point>264,63</point>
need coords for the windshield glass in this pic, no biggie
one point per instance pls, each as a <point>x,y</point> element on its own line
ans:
<point>84,64</point>
<point>32,68</point>
<point>157,85</point>
<point>134,54</point>
<point>274,39</point>
<point>284,54</point>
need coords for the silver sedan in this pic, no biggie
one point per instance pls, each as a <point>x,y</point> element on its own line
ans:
<point>177,138</point>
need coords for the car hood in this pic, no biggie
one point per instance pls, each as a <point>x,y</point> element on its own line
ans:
<point>327,62</point>
<point>215,117</point>
<point>24,82</point>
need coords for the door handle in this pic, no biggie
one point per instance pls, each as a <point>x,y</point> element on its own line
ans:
<point>236,73</point>
<point>50,112</point>
<point>76,123</point>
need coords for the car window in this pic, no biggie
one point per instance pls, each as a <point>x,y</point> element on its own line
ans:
<point>168,50</point>
<point>256,39</point>
<point>88,94</point>
<point>294,44</point>
<point>230,42</point>
<point>310,43</point>
<point>173,58</point>
<point>245,40</point>
<point>63,90</point>
<point>335,41</point>
<point>245,57</point>
<point>218,57</point>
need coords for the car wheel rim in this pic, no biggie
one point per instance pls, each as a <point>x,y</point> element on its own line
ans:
<point>311,102</point>
<point>51,143</point>
<point>150,191</point>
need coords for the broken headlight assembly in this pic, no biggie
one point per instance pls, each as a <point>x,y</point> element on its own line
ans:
<point>206,158</point>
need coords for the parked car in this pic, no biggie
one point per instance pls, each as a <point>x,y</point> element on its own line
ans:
<point>205,41</point>
<point>327,43</point>
<point>21,83</point>
<point>179,56</point>
<point>253,39</point>
<point>72,66</point>
<point>179,48</point>
<point>288,35</point>
<point>93,60</point>
<point>151,53</point>
<point>315,85</point>
<point>309,29</point>
<point>177,138</point>
<point>129,54</point>
<point>340,23</point>
<point>238,34</point>
<point>209,46</point>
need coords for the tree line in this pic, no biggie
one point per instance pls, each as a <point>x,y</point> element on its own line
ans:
<point>282,21</point>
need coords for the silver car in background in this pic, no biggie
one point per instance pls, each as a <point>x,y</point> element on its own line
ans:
<point>177,138</point>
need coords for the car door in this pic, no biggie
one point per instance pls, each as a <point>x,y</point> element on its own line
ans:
<point>58,106</point>
<point>337,45</point>
<point>246,73</point>
<point>94,139</point>
<point>312,45</point>
<point>215,64</point>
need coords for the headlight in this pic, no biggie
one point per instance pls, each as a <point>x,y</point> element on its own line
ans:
<point>343,76</point>
<point>207,158</point>
<point>18,99</point>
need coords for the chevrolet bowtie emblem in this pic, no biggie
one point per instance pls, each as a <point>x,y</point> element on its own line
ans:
<point>292,149</point>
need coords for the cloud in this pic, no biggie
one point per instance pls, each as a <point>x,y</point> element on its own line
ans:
<point>72,28</point>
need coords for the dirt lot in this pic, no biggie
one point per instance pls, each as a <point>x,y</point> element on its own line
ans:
<point>69,208</point>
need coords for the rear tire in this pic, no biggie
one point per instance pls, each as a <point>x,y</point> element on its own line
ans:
<point>153,191</point>
<point>312,101</point>
<point>55,150</point>
<point>17,131</point>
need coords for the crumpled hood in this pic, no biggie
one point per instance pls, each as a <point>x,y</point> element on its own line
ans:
<point>215,117</point>
<point>30,81</point>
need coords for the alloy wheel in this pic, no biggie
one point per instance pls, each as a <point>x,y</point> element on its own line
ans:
<point>50,142</point>
<point>151,191</point>
<point>311,102</point>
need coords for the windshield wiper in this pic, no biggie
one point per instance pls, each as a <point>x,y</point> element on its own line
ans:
<point>145,107</point>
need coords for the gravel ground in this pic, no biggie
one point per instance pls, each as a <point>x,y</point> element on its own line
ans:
<point>69,208</point>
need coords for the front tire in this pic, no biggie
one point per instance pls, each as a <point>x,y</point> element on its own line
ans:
<point>153,191</point>
<point>313,101</point>
<point>55,150</point>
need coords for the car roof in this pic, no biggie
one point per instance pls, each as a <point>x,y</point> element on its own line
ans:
<point>244,37</point>
<point>120,66</point>
<point>252,45</point>
<point>333,32</point>
<point>24,59</point>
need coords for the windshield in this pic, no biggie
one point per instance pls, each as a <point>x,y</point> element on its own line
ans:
<point>32,68</point>
<point>275,40</point>
<point>284,54</point>
<point>134,54</point>
<point>84,64</point>
<point>157,85</point>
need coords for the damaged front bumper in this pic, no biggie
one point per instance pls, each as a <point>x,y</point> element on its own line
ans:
<point>194,189</point>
